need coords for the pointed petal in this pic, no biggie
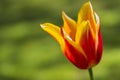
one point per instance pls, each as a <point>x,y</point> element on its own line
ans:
<point>69,25</point>
<point>87,40</point>
<point>54,31</point>
<point>75,54</point>
<point>99,44</point>
<point>86,13</point>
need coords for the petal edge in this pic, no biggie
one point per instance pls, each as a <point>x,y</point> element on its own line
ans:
<point>54,31</point>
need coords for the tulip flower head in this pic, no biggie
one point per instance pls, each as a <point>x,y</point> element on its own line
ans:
<point>81,40</point>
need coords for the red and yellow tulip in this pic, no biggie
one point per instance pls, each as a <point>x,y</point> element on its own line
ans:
<point>80,41</point>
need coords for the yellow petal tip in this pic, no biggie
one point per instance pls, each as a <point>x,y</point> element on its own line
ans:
<point>44,25</point>
<point>63,12</point>
<point>41,25</point>
<point>64,15</point>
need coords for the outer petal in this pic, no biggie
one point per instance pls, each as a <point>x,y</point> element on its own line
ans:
<point>97,22</point>
<point>85,38</point>
<point>86,13</point>
<point>54,31</point>
<point>99,47</point>
<point>74,53</point>
<point>69,26</point>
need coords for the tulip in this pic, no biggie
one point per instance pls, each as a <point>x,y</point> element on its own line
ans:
<point>81,40</point>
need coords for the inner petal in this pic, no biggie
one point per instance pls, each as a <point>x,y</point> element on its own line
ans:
<point>86,13</point>
<point>69,26</point>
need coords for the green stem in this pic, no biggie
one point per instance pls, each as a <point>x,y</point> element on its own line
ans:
<point>90,74</point>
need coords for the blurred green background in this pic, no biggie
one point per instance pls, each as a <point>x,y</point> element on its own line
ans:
<point>29,53</point>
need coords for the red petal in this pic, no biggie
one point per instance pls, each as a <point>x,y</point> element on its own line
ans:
<point>100,47</point>
<point>75,56</point>
<point>88,44</point>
